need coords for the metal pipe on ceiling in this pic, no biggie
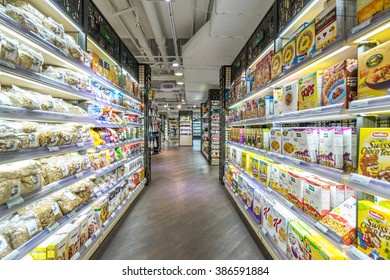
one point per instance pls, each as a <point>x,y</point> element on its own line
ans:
<point>173,29</point>
<point>151,14</point>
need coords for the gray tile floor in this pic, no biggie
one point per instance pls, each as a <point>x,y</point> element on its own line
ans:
<point>183,214</point>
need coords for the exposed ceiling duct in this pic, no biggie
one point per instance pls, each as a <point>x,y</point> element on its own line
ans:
<point>156,28</point>
<point>173,29</point>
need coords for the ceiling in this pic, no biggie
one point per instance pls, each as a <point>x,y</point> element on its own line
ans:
<point>209,34</point>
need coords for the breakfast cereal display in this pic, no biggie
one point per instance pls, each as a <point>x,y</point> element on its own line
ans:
<point>289,54</point>
<point>290,97</point>
<point>326,27</point>
<point>309,91</point>
<point>306,44</point>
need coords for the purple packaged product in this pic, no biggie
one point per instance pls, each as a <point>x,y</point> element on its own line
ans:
<point>242,136</point>
<point>347,149</point>
<point>250,195</point>
<point>305,139</point>
<point>257,204</point>
<point>331,147</point>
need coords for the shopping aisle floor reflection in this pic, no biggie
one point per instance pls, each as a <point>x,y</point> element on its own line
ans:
<point>183,214</point>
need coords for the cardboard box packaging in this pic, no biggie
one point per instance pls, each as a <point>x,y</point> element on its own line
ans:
<point>305,143</point>
<point>264,70</point>
<point>290,97</point>
<point>374,72</point>
<point>342,220</point>
<point>309,91</point>
<point>318,248</point>
<point>340,83</point>
<point>316,197</point>
<point>250,196</point>
<point>264,167</point>
<point>295,246</point>
<point>73,233</point>
<point>331,147</point>
<point>374,153</point>
<point>274,178</point>
<point>295,187</point>
<point>280,219</point>
<point>366,9</point>
<point>276,69</point>
<point>278,101</point>
<point>83,222</point>
<point>289,56</point>
<point>288,143</point>
<point>306,43</point>
<point>276,140</point>
<point>257,204</point>
<point>326,27</point>
<point>58,247</point>
<point>373,230</point>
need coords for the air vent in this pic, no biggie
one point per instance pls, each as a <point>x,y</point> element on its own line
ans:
<point>167,86</point>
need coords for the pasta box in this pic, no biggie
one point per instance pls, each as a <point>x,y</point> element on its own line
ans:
<point>374,72</point>
<point>289,57</point>
<point>373,233</point>
<point>306,44</point>
<point>309,91</point>
<point>290,97</point>
<point>276,66</point>
<point>342,220</point>
<point>340,83</point>
<point>326,27</point>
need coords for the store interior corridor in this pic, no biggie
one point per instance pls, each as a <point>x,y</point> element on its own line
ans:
<point>183,214</point>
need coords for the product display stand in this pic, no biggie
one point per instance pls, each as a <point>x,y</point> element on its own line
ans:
<point>185,128</point>
<point>155,125</point>
<point>205,138</point>
<point>299,158</point>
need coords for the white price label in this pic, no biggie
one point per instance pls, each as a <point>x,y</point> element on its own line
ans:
<point>321,227</point>
<point>71,214</point>
<point>79,175</point>
<point>317,53</point>
<point>280,157</point>
<point>296,161</point>
<point>75,256</point>
<point>80,145</point>
<point>88,243</point>
<point>97,233</point>
<point>264,231</point>
<point>119,207</point>
<point>105,224</point>
<point>359,104</point>
<point>53,226</point>
<point>236,194</point>
<point>113,215</point>
<point>15,201</point>
<point>360,180</point>
<point>53,149</point>
<point>361,26</point>
<point>246,208</point>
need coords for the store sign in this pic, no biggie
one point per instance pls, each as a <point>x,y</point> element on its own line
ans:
<point>106,35</point>
<point>259,37</point>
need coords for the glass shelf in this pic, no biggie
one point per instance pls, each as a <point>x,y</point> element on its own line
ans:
<point>8,157</point>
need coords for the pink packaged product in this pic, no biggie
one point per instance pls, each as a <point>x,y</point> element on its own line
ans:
<point>331,147</point>
<point>295,187</point>
<point>305,140</point>
<point>316,197</point>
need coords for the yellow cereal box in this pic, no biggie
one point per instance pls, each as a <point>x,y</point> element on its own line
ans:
<point>274,177</point>
<point>309,91</point>
<point>367,8</point>
<point>276,66</point>
<point>289,54</point>
<point>264,167</point>
<point>317,247</point>
<point>306,44</point>
<point>244,160</point>
<point>276,140</point>
<point>373,230</point>
<point>373,72</point>
<point>374,153</point>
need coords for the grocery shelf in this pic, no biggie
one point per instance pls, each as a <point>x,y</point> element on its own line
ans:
<point>117,164</point>
<point>11,74</point>
<point>90,246</point>
<point>18,203</point>
<point>369,185</point>
<point>270,246</point>
<point>8,157</point>
<point>327,233</point>
<point>254,121</point>
<point>374,106</point>
<point>373,28</point>
<point>14,113</point>
<point>120,144</point>
<point>320,170</point>
<point>133,112</point>
<point>109,124</point>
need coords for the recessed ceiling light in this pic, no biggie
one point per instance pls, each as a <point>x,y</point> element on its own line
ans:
<point>179,106</point>
<point>175,63</point>
<point>179,72</point>
<point>180,83</point>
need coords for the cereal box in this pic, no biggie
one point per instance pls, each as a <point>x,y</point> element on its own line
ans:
<point>83,222</point>
<point>241,184</point>
<point>316,197</point>
<point>283,180</point>
<point>305,140</point>
<point>257,204</point>
<point>373,232</point>
<point>276,67</point>
<point>318,248</point>
<point>259,138</point>
<point>348,164</point>
<point>267,215</point>
<point>340,83</point>
<point>309,91</point>
<point>295,187</point>
<point>331,147</point>
<point>274,177</point>
<point>306,44</point>
<point>92,223</point>
<point>349,192</point>
<point>261,108</point>
<point>288,144</point>
<point>290,97</point>
<point>366,9</point>
<point>374,153</point>
<point>337,192</point>
<point>73,232</point>
<point>250,196</point>
<point>57,248</point>
<point>278,101</point>
<point>373,73</point>
<point>276,140</point>
<point>289,54</point>
<point>244,160</point>
<point>280,219</point>
<point>342,220</point>
<point>326,27</point>
<point>296,234</point>
<point>264,167</point>
<point>264,72</point>
<point>255,108</point>
<point>101,209</point>
<point>266,135</point>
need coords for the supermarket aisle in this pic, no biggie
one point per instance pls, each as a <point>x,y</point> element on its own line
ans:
<point>183,214</point>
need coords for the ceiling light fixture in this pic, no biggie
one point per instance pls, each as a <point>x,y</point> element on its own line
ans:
<point>179,72</point>
<point>179,106</point>
<point>180,83</point>
<point>175,63</point>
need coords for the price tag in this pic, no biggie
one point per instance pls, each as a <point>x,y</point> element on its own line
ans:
<point>119,207</point>
<point>360,26</point>
<point>15,201</point>
<point>317,53</point>
<point>236,194</point>
<point>79,175</point>
<point>53,226</point>
<point>7,64</point>
<point>246,208</point>
<point>359,104</point>
<point>98,193</point>
<point>280,157</point>
<point>105,224</point>
<point>80,145</point>
<point>321,227</point>
<point>75,88</point>
<point>75,256</point>
<point>97,233</point>
<point>88,243</point>
<point>113,214</point>
<point>71,214</point>
<point>296,161</point>
<point>53,149</point>
<point>360,180</point>
<point>264,231</point>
